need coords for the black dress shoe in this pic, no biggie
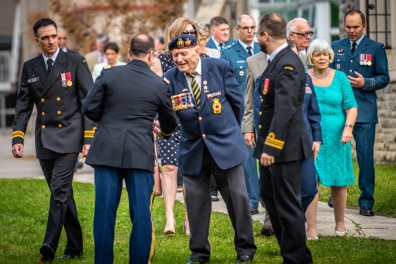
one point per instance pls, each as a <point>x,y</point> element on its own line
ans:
<point>330,202</point>
<point>196,261</point>
<point>69,256</point>
<point>214,198</point>
<point>254,211</point>
<point>244,259</point>
<point>267,231</point>
<point>48,253</point>
<point>366,212</point>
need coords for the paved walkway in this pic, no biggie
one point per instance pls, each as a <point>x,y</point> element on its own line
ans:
<point>357,225</point>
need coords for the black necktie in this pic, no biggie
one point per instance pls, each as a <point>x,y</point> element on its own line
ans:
<point>221,45</point>
<point>49,64</point>
<point>353,47</point>
<point>269,61</point>
<point>249,50</point>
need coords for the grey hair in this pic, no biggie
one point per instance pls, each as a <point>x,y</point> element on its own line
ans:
<point>292,25</point>
<point>319,45</point>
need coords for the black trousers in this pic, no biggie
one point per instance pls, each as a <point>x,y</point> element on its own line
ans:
<point>281,192</point>
<point>231,184</point>
<point>59,173</point>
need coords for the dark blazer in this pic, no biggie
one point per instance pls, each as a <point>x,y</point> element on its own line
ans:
<point>60,124</point>
<point>124,101</point>
<point>212,45</point>
<point>282,132</point>
<point>375,73</point>
<point>311,113</point>
<point>237,55</point>
<point>220,133</point>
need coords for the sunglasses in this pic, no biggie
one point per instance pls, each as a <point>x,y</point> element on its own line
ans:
<point>190,32</point>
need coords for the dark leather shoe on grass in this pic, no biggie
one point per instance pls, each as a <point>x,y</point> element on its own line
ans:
<point>244,259</point>
<point>267,231</point>
<point>47,252</point>
<point>69,256</point>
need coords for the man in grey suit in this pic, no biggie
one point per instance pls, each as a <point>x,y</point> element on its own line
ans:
<point>299,31</point>
<point>255,66</point>
<point>56,82</point>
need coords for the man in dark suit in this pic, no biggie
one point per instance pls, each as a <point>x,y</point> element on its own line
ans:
<point>220,31</point>
<point>124,101</point>
<point>236,55</point>
<point>283,142</point>
<point>55,82</point>
<point>62,40</point>
<point>365,62</point>
<point>209,103</point>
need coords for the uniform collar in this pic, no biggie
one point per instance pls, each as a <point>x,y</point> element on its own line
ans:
<point>53,57</point>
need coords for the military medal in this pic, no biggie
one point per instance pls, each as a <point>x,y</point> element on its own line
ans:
<point>63,79</point>
<point>66,79</point>
<point>205,89</point>
<point>338,66</point>
<point>216,106</point>
<point>241,73</point>
<point>266,85</point>
<point>182,101</point>
<point>369,57</point>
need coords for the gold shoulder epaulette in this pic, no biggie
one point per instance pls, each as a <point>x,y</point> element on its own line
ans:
<point>289,68</point>
<point>273,142</point>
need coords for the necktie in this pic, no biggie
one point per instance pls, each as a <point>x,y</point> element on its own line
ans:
<point>353,47</point>
<point>221,45</point>
<point>269,61</point>
<point>249,50</point>
<point>49,65</point>
<point>195,88</point>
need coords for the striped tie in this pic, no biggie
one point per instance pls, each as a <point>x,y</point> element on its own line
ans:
<point>195,88</point>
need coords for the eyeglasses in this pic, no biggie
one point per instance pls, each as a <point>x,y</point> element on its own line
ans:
<point>305,35</point>
<point>247,28</point>
<point>190,32</point>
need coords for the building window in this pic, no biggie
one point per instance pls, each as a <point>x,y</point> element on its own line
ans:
<point>379,21</point>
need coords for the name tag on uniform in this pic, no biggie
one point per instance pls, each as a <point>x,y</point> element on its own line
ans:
<point>33,80</point>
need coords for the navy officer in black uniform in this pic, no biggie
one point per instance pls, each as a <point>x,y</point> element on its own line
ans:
<point>124,101</point>
<point>56,82</point>
<point>283,141</point>
<point>209,103</point>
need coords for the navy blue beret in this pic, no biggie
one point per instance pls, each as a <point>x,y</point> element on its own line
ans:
<point>183,41</point>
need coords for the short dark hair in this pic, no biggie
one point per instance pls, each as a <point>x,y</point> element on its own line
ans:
<point>274,24</point>
<point>43,22</point>
<point>141,45</point>
<point>355,11</point>
<point>112,46</point>
<point>217,21</point>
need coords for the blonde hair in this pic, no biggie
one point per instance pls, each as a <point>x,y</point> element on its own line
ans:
<point>177,28</point>
<point>319,45</point>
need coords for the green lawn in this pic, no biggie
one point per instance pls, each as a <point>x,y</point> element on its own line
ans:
<point>24,206</point>
<point>385,194</point>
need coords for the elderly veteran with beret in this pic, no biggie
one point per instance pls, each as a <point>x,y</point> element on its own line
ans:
<point>209,103</point>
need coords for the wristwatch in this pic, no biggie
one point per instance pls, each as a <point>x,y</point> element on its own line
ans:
<point>349,125</point>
